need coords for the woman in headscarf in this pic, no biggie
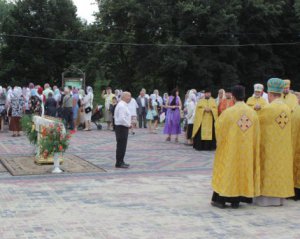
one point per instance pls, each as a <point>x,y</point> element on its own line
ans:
<point>26,96</point>
<point>81,109</point>
<point>221,96</point>
<point>75,107</point>
<point>155,111</point>
<point>2,107</point>
<point>9,94</point>
<point>191,105</point>
<point>35,104</point>
<point>117,94</point>
<point>42,97</point>
<point>165,100</point>
<point>17,105</point>
<point>159,101</point>
<point>88,107</point>
<point>57,95</point>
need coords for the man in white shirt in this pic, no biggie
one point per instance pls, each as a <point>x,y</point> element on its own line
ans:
<point>122,126</point>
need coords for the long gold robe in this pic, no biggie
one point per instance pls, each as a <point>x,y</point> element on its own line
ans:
<point>290,99</point>
<point>236,169</point>
<point>253,101</point>
<point>296,144</point>
<point>276,150</point>
<point>205,119</point>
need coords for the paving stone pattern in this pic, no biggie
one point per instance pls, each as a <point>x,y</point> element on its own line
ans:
<point>165,194</point>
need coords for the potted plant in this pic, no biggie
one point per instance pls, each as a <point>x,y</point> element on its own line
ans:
<point>54,142</point>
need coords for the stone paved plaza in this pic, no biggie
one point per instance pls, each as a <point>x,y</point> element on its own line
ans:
<point>165,194</point>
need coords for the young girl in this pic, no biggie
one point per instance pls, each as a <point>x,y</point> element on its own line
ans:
<point>152,115</point>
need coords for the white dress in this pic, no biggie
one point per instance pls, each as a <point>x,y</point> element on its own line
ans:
<point>88,102</point>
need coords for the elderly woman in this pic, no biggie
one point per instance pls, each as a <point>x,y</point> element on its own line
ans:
<point>81,118</point>
<point>88,107</point>
<point>221,96</point>
<point>57,95</point>
<point>42,98</point>
<point>191,105</point>
<point>16,103</point>
<point>107,95</point>
<point>2,107</point>
<point>75,107</point>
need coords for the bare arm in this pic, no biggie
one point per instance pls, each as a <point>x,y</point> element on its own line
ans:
<point>103,94</point>
<point>180,104</point>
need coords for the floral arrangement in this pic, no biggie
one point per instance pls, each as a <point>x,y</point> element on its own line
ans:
<point>29,129</point>
<point>53,140</point>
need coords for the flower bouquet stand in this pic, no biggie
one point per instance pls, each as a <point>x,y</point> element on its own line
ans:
<point>52,140</point>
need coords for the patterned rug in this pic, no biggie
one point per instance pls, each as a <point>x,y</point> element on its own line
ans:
<point>24,165</point>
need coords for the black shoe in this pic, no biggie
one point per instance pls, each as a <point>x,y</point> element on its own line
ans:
<point>218,204</point>
<point>124,165</point>
<point>235,205</point>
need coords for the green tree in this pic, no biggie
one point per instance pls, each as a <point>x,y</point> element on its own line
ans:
<point>176,22</point>
<point>168,23</point>
<point>32,58</point>
<point>5,7</point>
<point>268,22</point>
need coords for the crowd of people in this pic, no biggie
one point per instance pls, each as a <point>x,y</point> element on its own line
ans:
<point>73,105</point>
<point>257,140</point>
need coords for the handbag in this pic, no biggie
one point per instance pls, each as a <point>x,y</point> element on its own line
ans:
<point>87,110</point>
<point>162,117</point>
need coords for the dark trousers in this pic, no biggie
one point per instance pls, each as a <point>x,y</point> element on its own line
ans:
<point>68,117</point>
<point>142,118</point>
<point>121,137</point>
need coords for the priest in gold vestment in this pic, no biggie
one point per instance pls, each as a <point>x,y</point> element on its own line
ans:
<point>236,172</point>
<point>276,153</point>
<point>257,102</point>
<point>206,113</point>
<point>296,148</point>
<point>289,98</point>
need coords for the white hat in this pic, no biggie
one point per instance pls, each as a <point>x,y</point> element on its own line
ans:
<point>258,87</point>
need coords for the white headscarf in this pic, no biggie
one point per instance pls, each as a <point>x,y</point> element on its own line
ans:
<point>27,94</point>
<point>90,94</point>
<point>89,89</point>
<point>218,100</point>
<point>192,97</point>
<point>153,97</point>
<point>17,92</point>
